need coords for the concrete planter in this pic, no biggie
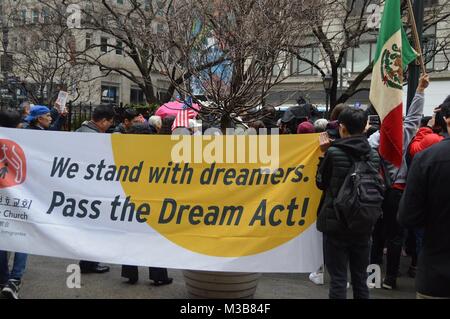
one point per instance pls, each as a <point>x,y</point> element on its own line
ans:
<point>220,285</point>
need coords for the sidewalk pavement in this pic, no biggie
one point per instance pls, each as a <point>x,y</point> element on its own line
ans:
<point>46,279</point>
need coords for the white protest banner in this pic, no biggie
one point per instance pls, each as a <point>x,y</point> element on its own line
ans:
<point>126,199</point>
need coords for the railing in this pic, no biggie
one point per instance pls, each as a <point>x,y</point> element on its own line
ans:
<point>77,115</point>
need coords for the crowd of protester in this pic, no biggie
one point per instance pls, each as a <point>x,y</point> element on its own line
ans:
<point>415,216</point>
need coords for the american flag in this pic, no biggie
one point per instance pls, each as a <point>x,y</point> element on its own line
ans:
<point>183,115</point>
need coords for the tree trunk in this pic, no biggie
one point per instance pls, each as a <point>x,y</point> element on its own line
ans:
<point>170,92</point>
<point>150,95</point>
<point>225,122</point>
<point>334,88</point>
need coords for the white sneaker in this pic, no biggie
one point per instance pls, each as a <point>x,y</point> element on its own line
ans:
<point>316,277</point>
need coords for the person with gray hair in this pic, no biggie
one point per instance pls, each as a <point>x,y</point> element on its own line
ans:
<point>320,125</point>
<point>156,122</point>
<point>24,108</point>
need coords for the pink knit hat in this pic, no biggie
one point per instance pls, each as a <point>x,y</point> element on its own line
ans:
<point>305,128</point>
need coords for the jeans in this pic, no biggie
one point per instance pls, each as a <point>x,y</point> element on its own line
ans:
<point>378,240</point>
<point>419,240</point>
<point>339,253</point>
<point>20,262</point>
<point>395,234</point>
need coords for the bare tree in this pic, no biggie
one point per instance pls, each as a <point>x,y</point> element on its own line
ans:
<point>343,26</point>
<point>247,38</point>
<point>42,53</point>
<point>133,29</point>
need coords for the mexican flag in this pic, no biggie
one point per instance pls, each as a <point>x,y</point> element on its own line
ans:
<point>393,55</point>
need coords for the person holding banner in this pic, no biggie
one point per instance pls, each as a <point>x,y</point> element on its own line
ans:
<point>102,120</point>
<point>159,276</point>
<point>11,281</point>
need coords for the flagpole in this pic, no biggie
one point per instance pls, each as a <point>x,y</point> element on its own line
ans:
<point>416,37</point>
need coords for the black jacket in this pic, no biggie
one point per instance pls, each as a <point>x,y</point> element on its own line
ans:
<point>58,120</point>
<point>333,170</point>
<point>425,205</point>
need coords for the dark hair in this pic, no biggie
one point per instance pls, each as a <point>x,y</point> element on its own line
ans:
<point>129,114</point>
<point>301,100</point>
<point>166,127</point>
<point>103,112</point>
<point>337,111</point>
<point>269,110</point>
<point>445,107</point>
<point>424,121</point>
<point>354,120</point>
<point>141,128</point>
<point>10,118</point>
<point>440,126</point>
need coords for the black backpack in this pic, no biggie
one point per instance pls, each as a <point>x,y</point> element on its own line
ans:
<point>358,203</point>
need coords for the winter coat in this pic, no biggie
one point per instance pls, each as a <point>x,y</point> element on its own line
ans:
<point>88,127</point>
<point>333,169</point>
<point>425,205</point>
<point>424,138</point>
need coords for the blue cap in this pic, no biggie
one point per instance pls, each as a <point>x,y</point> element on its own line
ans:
<point>36,111</point>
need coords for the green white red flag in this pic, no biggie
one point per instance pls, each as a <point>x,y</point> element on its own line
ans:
<point>393,55</point>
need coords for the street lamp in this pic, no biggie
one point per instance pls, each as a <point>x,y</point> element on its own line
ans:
<point>327,84</point>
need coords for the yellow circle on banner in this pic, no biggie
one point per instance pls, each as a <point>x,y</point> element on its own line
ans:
<point>221,209</point>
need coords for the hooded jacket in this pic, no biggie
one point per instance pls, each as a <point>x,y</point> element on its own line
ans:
<point>332,171</point>
<point>424,138</point>
<point>88,127</point>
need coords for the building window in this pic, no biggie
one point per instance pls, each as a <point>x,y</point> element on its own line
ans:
<point>159,28</point>
<point>136,96</point>
<point>35,16</point>
<point>88,41</point>
<point>119,1</point>
<point>23,16</point>
<point>45,15</point>
<point>358,6</point>
<point>14,44</point>
<point>299,67</point>
<point>147,5</point>
<point>110,94</point>
<point>429,47</point>
<point>160,8</point>
<point>104,45</point>
<point>119,47</point>
<point>359,58</point>
<point>45,45</point>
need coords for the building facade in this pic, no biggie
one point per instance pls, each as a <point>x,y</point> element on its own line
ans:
<point>103,86</point>
<point>306,80</point>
